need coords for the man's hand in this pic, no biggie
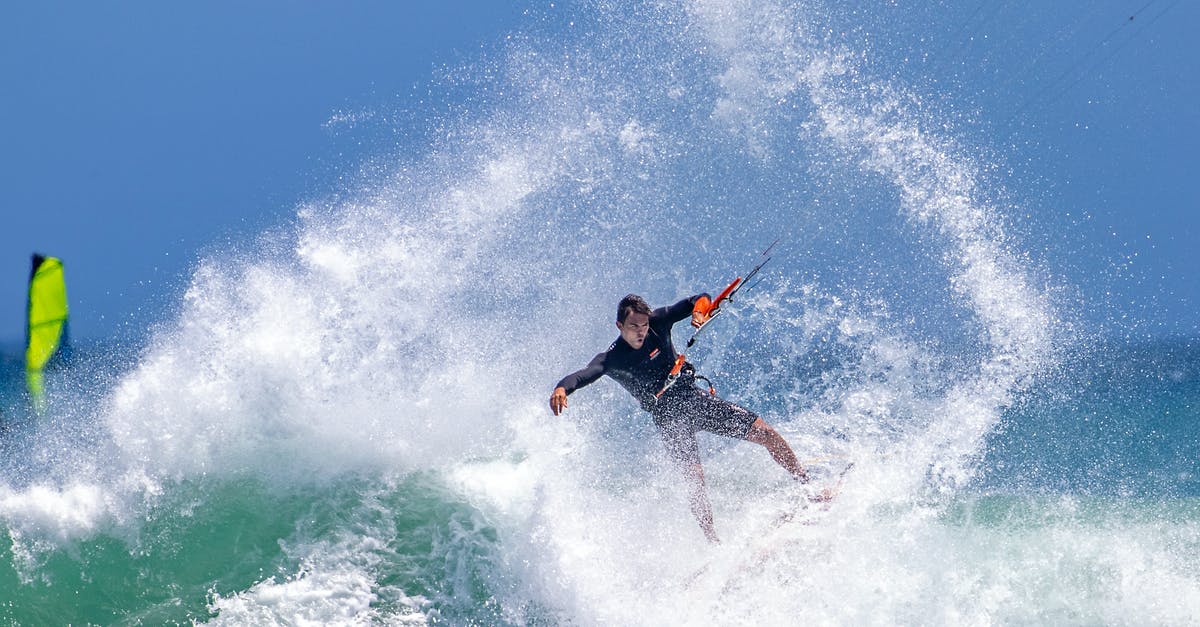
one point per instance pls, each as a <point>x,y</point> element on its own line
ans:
<point>558,400</point>
<point>702,310</point>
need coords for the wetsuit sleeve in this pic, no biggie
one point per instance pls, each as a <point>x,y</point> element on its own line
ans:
<point>594,370</point>
<point>678,311</point>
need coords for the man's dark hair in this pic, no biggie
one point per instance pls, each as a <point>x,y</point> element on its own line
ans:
<point>631,304</point>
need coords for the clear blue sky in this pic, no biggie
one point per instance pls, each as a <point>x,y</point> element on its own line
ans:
<point>140,135</point>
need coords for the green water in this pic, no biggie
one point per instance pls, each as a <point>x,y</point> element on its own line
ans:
<point>206,538</point>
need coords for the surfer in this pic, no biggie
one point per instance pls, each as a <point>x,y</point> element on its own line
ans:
<point>642,360</point>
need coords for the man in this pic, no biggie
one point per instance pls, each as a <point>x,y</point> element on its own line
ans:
<point>641,360</point>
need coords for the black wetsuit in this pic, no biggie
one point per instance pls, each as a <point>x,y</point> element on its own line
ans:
<point>684,409</point>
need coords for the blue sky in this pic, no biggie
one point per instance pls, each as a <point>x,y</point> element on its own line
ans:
<point>139,136</point>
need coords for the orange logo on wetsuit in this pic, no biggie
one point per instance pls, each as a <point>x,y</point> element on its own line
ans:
<point>654,353</point>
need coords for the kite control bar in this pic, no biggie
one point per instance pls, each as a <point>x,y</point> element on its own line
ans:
<point>713,307</point>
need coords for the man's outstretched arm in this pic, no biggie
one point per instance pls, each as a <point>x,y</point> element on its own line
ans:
<point>574,381</point>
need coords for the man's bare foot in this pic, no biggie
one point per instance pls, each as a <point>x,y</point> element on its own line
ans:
<point>824,496</point>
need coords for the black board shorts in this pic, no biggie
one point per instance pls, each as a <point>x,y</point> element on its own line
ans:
<point>680,415</point>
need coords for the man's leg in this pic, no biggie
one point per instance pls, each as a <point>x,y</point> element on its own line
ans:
<point>698,500</point>
<point>680,441</point>
<point>729,419</point>
<point>722,417</point>
<point>762,433</point>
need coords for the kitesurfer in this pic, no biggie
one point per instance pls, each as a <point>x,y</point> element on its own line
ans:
<point>641,360</point>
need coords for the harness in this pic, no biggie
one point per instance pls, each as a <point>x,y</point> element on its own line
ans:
<point>683,369</point>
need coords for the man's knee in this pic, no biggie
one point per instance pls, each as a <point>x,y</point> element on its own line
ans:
<point>761,433</point>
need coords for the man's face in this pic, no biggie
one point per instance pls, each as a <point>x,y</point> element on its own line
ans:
<point>634,329</point>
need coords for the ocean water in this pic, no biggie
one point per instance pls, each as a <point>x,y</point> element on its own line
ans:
<point>345,422</point>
